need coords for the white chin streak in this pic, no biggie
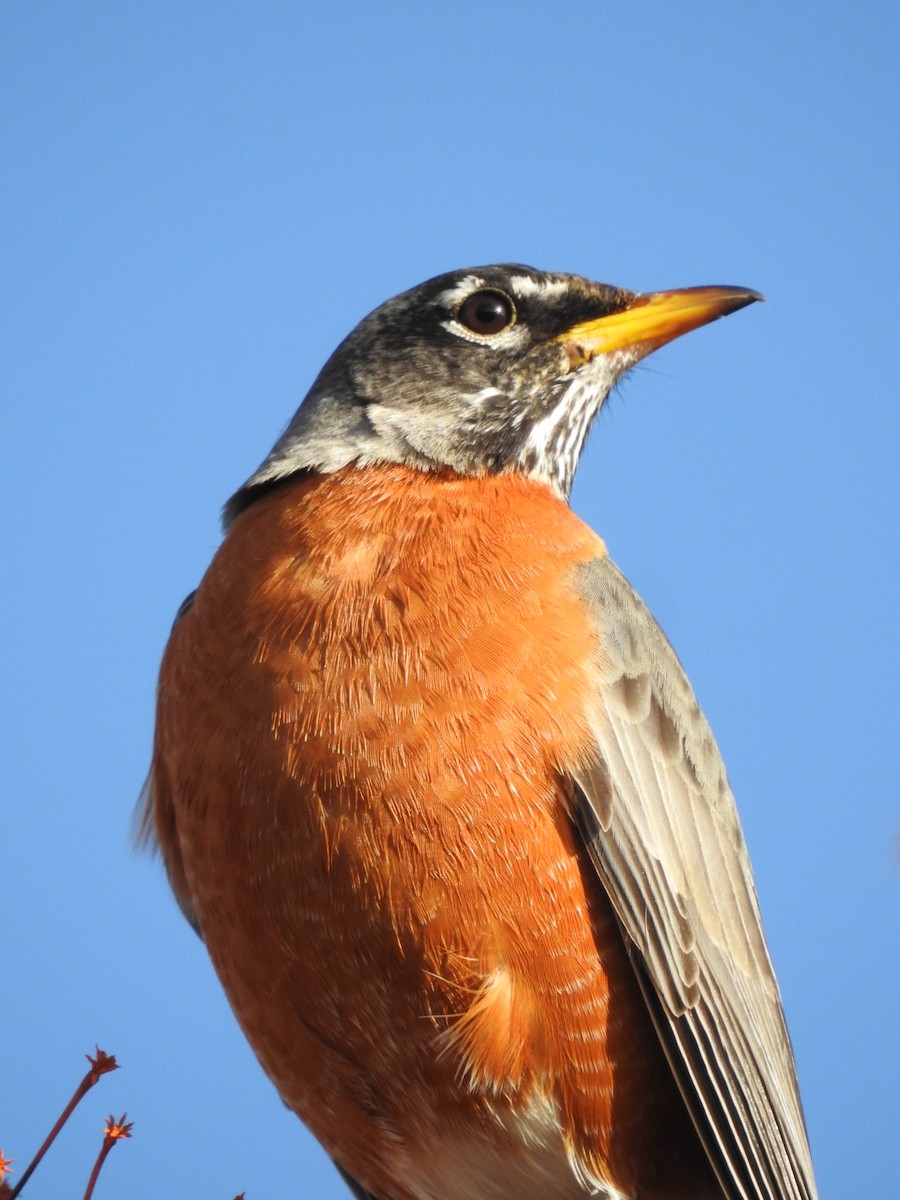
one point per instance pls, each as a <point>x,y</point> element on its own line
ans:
<point>555,442</point>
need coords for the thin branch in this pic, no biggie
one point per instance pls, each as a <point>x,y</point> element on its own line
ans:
<point>114,1131</point>
<point>101,1065</point>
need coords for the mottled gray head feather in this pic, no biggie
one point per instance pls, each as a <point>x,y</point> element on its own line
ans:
<point>413,385</point>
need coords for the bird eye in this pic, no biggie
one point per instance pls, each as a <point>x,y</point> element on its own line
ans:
<point>486,312</point>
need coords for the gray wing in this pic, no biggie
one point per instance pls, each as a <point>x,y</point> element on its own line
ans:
<point>660,824</point>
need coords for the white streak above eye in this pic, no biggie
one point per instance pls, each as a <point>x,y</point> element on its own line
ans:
<point>525,285</point>
<point>454,296</point>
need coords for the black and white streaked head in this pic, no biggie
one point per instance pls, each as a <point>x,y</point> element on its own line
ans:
<point>481,371</point>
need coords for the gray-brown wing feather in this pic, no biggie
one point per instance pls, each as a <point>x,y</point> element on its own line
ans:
<point>661,826</point>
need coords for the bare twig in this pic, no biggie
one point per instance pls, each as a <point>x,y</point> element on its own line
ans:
<point>113,1131</point>
<point>101,1065</point>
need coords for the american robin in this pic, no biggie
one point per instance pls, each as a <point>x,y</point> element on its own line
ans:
<point>434,789</point>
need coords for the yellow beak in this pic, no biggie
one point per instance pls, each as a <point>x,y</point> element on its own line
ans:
<point>651,320</point>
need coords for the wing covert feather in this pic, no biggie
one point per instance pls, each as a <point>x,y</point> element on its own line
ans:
<point>660,824</point>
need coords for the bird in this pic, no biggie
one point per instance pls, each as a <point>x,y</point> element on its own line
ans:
<point>433,787</point>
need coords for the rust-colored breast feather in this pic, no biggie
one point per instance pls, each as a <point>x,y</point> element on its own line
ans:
<point>365,724</point>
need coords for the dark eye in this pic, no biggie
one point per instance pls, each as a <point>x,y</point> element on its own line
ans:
<point>486,312</point>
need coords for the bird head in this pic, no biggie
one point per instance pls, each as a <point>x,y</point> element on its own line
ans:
<point>481,371</point>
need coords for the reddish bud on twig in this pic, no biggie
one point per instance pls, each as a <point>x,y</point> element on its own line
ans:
<point>114,1131</point>
<point>101,1065</point>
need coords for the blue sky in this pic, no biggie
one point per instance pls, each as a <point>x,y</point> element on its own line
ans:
<point>198,202</point>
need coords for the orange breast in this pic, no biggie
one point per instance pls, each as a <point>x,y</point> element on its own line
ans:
<point>364,724</point>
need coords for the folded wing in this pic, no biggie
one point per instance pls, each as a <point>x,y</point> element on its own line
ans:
<point>660,824</point>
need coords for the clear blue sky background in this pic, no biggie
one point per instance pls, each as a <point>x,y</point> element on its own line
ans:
<point>198,201</point>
